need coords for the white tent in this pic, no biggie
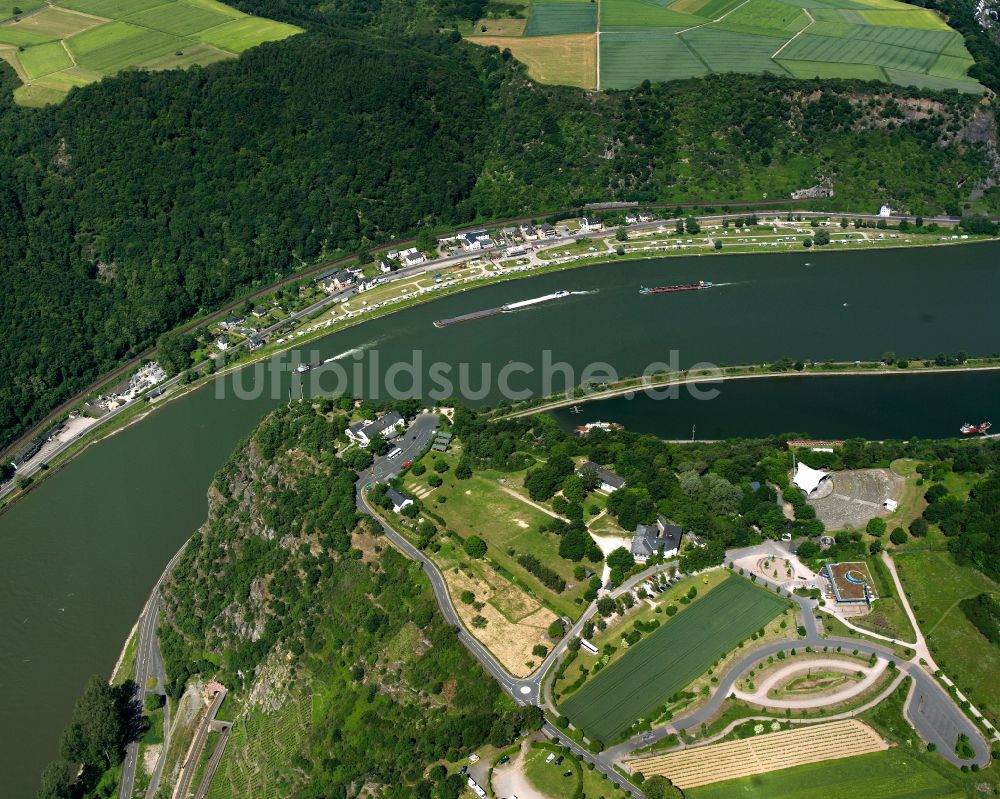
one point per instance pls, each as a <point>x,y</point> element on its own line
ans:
<point>807,478</point>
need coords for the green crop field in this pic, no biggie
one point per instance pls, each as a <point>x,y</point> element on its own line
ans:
<point>555,18</point>
<point>892,774</point>
<point>76,42</point>
<point>662,40</point>
<point>670,658</point>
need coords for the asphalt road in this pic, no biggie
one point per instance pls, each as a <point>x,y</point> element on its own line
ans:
<point>412,442</point>
<point>929,708</point>
<point>148,661</point>
<point>932,712</point>
<point>400,274</point>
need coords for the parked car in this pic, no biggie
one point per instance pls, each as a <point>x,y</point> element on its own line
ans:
<point>568,773</point>
<point>559,760</point>
<point>463,770</point>
<point>503,760</point>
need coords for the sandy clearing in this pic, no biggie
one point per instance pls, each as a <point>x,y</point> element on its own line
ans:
<point>509,641</point>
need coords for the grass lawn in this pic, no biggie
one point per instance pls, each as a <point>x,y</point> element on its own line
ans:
<point>642,612</point>
<point>670,658</point>
<point>480,506</point>
<point>935,584</point>
<point>893,774</point>
<point>548,777</point>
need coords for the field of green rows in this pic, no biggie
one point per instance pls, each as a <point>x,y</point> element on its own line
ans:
<point>76,42</point>
<point>661,40</point>
<point>670,658</point>
<point>892,774</point>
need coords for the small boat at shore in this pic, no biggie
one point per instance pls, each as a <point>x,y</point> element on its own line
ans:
<point>969,429</point>
<point>701,284</point>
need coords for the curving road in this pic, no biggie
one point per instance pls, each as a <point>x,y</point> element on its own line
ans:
<point>929,708</point>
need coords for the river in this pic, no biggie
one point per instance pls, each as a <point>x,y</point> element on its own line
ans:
<point>82,550</point>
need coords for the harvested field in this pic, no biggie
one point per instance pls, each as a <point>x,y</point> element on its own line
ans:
<point>703,765</point>
<point>566,60</point>
<point>509,638</point>
<point>55,23</point>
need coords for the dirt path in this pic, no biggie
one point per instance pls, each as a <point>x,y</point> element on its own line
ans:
<point>760,697</point>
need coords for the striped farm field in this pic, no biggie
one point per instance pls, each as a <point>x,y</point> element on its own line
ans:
<point>558,19</point>
<point>670,658</point>
<point>760,754</point>
<point>75,42</point>
<point>882,40</point>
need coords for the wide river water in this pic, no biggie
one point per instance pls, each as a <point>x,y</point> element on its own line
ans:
<point>81,551</point>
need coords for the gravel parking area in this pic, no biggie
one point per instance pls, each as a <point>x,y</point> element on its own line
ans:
<point>849,499</point>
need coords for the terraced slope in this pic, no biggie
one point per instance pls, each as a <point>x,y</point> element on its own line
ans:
<point>658,40</point>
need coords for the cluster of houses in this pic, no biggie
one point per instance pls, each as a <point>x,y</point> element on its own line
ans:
<point>387,425</point>
<point>662,538</point>
<point>408,257</point>
<point>147,377</point>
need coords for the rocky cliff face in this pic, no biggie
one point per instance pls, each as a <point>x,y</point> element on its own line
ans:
<point>319,628</point>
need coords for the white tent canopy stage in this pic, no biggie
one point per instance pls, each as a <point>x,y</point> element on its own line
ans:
<point>807,478</point>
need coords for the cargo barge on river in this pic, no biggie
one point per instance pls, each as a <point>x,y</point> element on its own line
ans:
<point>701,284</point>
<point>506,308</point>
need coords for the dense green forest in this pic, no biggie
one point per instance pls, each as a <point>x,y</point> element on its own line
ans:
<point>145,198</point>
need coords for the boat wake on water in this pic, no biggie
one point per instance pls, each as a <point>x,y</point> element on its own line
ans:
<point>353,351</point>
<point>584,293</point>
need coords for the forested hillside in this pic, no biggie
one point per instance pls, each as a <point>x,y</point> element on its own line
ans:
<point>288,596</point>
<point>146,197</point>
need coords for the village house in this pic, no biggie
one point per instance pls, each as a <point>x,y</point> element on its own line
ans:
<point>606,480</point>
<point>655,539</point>
<point>386,425</point>
<point>334,280</point>
<point>476,240</point>
<point>398,500</point>
<point>589,224</point>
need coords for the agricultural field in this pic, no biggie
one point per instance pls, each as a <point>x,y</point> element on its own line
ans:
<point>891,774</point>
<point>260,747</point>
<point>76,42</point>
<point>761,754</point>
<point>659,40</point>
<point>670,658</point>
